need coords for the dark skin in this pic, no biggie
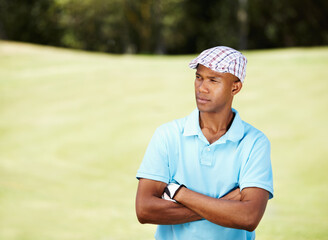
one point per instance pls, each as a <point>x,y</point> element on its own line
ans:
<point>214,93</point>
<point>151,208</point>
<point>244,214</point>
<point>242,210</point>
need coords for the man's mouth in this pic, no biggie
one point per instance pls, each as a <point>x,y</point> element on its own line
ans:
<point>202,100</point>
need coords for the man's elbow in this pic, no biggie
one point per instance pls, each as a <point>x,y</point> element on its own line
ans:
<point>142,215</point>
<point>251,227</point>
<point>251,222</point>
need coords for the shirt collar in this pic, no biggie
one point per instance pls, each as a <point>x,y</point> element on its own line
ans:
<point>192,124</point>
<point>235,132</point>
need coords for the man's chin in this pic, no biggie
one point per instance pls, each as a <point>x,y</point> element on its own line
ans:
<point>203,108</point>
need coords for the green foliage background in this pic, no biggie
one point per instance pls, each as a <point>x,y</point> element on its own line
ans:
<point>165,26</point>
<point>74,127</point>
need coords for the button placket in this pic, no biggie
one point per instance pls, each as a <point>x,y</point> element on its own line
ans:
<point>206,156</point>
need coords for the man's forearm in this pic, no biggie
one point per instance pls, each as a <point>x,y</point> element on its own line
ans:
<point>160,211</point>
<point>242,214</point>
<point>151,208</point>
<point>155,210</point>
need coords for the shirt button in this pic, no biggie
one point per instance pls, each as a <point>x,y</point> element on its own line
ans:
<point>208,149</point>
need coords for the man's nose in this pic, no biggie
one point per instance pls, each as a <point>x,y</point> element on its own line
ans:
<point>203,87</point>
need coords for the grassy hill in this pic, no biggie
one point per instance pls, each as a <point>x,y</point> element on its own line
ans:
<point>74,127</point>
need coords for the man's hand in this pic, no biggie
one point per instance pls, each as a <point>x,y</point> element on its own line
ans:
<point>233,195</point>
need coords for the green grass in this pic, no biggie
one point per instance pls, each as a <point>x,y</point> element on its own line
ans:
<point>74,127</point>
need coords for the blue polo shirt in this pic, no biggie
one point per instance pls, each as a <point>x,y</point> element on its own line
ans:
<point>179,152</point>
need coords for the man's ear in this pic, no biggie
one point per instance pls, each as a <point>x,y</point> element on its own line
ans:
<point>236,87</point>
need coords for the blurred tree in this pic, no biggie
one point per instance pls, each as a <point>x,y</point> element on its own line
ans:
<point>138,15</point>
<point>220,26</point>
<point>165,26</point>
<point>113,26</point>
<point>3,35</point>
<point>287,23</point>
<point>242,15</point>
<point>145,25</point>
<point>191,26</point>
<point>95,25</point>
<point>30,21</point>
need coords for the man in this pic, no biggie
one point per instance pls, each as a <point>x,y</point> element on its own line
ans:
<point>208,175</point>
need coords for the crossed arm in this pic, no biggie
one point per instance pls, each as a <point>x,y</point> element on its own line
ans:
<point>242,210</point>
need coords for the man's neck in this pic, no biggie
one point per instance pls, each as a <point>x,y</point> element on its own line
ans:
<point>214,125</point>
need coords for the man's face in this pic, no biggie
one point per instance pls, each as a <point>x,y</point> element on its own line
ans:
<point>213,90</point>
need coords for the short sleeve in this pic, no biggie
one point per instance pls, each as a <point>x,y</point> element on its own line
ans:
<point>256,171</point>
<point>155,164</point>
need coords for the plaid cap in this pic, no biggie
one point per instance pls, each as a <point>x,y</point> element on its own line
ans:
<point>222,59</point>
